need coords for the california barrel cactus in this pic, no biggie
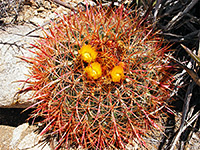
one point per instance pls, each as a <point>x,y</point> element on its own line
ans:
<point>100,79</point>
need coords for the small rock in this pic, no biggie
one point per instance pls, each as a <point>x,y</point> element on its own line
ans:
<point>44,15</point>
<point>35,12</point>
<point>28,14</point>
<point>20,19</point>
<point>38,21</point>
<point>28,2</point>
<point>47,5</point>
<point>6,136</point>
<point>52,15</point>
<point>41,9</point>
<point>17,134</point>
<point>32,142</point>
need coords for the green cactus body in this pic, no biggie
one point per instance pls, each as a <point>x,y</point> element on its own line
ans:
<point>106,94</point>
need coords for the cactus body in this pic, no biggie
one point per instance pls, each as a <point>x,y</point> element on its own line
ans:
<point>99,80</point>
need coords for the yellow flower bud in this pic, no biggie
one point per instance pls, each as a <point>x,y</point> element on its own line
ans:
<point>88,53</point>
<point>117,73</point>
<point>94,70</point>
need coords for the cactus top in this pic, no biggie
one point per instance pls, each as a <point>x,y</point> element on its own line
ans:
<point>117,73</point>
<point>94,70</point>
<point>88,53</point>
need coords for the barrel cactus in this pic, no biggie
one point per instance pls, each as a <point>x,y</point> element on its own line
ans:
<point>100,79</point>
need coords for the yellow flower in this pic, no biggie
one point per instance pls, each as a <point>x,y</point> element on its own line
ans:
<point>117,73</point>
<point>94,70</point>
<point>88,53</point>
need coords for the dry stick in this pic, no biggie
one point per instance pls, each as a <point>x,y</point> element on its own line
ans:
<point>187,103</point>
<point>183,129</point>
<point>189,135</point>
<point>198,52</point>
<point>191,34</point>
<point>173,35</point>
<point>170,10</point>
<point>196,58</point>
<point>191,72</point>
<point>193,18</point>
<point>185,108</point>
<point>38,28</point>
<point>195,123</point>
<point>180,15</point>
<point>157,8</point>
<point>180,38</point>
<point>179,82</point>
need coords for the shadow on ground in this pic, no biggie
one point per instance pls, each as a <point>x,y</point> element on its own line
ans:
<point>13,116</point>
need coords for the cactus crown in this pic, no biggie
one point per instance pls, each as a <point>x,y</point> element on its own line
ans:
<point>100,79</point>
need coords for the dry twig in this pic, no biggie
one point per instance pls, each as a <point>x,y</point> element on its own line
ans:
<point>176,18</point>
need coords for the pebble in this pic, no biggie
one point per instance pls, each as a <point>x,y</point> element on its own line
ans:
<point>32,142</point>
<point>38,21</point>
<point>17,134</point>
<point>47,5</point>
<point>41,9</point>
